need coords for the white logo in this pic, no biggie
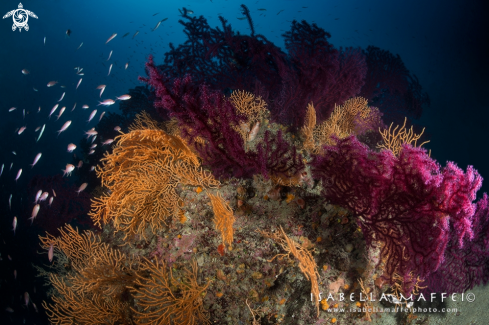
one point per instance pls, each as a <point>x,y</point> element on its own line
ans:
<point>20,17</point>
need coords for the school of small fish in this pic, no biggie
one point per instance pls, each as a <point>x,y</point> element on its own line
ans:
<point>66,95</point>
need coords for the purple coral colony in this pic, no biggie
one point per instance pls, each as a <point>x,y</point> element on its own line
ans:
<point>275,220</point>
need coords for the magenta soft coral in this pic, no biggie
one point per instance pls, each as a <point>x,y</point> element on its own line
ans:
<point>407,203</point>
<point>202,112</point>
<point>467,266</point>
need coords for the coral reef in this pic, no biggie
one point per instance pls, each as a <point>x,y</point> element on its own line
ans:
<point>251,197</point>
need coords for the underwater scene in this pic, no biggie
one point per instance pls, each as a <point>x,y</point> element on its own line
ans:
<point>244,162</point>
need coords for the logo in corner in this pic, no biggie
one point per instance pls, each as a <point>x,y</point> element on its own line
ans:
<point>20,17</point>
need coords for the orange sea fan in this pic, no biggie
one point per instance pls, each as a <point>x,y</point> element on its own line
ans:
<point>141,174</point>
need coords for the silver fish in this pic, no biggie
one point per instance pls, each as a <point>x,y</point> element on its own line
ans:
<point>62,96</point>
<point>64,127</point>
<point>40,134</point>
<point>92,115</point>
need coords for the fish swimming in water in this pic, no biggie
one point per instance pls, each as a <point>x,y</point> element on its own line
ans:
<point>68,32</point>
<point>111,38</point>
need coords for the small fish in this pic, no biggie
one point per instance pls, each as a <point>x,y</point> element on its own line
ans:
<point>155,14</point>
<point>23,113</point>
<point>156,27</point>
<point>93,146</point>
<point>55,107</point>
<point>106,102</point>
<point>38,195</point>
<point>62,96</point>
<point>101,116</point>
<point>51,253</point>
<point>71,147</point>
<point>52,83</point>
<point>108,141</point>
<point>68,32</point>
<point>11,109</point>
<point>92,168</point>
<point>10,202</point>
<point>18,174</point>
<point>25,71</point>
<point>91,152</point>
<point>26,298</point>
<point>15,153</point>
<point>80,164</point>
<point>61,112</point>
<point>190,12</point>
<point>127,64</point>
<point>44,40</point>
<point>51,200</point>
<point>34,213</point>
<point>137,32</point>
<point>125,35</point>
<point>110,69</point>
<point>110,54</point>
<point>164,19</point>
<point>82,187</point>
<point>40,134</point>
<point>14,224</point>
<point>93,139</point>
<point>68,170</point>
<point>36,159</point>
<point>111,38</point>
<point>78,84</point>
<point>37,129</point>
<point>92,115</point>
<point>91,132</point>
<point>117,128</point>
<point>279,12</point>
<point>102,88</point>
<point>64,127</point>
<point>123,97</point>
<point>73,107</point>
<point>44,196</point>
<point>85,106</point>
<point>54,193</point>
<point>79,46</point>
<point>34,89</point>
<point>22,129</point>
<point>1,171</point>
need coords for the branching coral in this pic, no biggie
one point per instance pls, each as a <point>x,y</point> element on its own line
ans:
<point>353,117</point>
<point>141,174</point>
<point>306,261</point>
<point>202,112</point>
<point>92,291</point>
<point>408,204</point>
<point>166,299</point>
<point>223,217</point>
<point>394,140</point>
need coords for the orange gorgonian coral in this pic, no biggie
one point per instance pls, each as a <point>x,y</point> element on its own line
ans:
<point>166,299</point>
<point>223,217</point>
<point>141,174</point>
